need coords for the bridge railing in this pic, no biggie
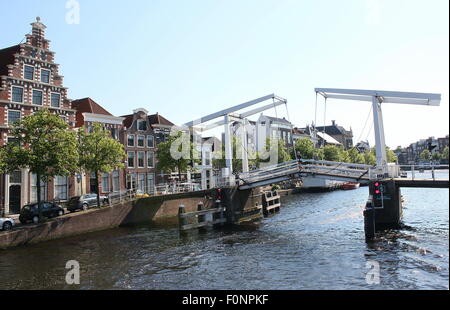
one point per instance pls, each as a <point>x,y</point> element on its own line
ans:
<point>272,171</point>
<point>415,169</point>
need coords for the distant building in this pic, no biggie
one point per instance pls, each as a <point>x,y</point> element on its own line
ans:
<point>319,138</point>
<point>339,133</point>
<point>411,154</point>
<point>274,128</point>
<point>363,146</point>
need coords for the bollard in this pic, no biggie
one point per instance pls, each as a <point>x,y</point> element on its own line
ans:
<point>181,219</point>
<point>200,217</point>
<point>369,221</point>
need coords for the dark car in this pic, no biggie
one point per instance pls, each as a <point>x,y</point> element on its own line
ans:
<point>84,202</point>
<point>30,213</point>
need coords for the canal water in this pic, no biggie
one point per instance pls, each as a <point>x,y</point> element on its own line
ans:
<point>315,242</point>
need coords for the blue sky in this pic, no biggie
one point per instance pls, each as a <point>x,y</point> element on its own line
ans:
<point>188,58</point>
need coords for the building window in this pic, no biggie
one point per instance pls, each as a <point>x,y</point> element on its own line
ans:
<point>13,116</point>
<point>150,141</point>
<point>130,140</point>
<point>61,188</point>
<point>114,133</point>
<point>45,76</point>
<point>141,182</point>
<point>140,159</point>
<point>116,182</point>
<point>15,177</point>
<point>17,94</point>
<point>150,183</point>
<point>13,140</point>
<point>37,97</point>
<point>140,141</point>
<point>130,159</point>
<point>207,158</point>
<point>55,100</point>
<point>150,159</point>
<point>44,190</point>
<point>131,181</point>
<point>141,125</point>
<point>105,183</point>
<point>28,73</point>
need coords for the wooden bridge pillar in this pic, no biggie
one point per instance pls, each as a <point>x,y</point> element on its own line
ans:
<point>386,199</point>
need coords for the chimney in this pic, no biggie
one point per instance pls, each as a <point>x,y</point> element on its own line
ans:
<point>333,122</point>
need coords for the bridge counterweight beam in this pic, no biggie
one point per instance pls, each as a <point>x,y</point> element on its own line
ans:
<point>228,147</point>
<point>379,133</point>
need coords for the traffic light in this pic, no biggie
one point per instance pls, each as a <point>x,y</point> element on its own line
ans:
<point>378,189</point>
<point>431,146</point>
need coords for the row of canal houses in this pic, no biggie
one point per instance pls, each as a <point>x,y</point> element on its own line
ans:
<point>30,80</point>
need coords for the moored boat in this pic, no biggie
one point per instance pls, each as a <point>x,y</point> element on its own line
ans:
<point>350,185</point>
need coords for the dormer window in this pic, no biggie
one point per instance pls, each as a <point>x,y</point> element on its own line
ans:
<point>141,125</point>
<point>28,72</point>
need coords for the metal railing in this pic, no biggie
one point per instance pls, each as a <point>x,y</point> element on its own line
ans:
<point>420,169</point>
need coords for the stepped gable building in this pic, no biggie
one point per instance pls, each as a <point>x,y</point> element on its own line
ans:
<point>29,81</point>
<point>89,112</point>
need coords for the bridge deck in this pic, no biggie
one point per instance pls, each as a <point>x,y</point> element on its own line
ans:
<point>421,183</point>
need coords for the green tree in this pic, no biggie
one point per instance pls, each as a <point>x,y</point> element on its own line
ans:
<point>370,158</point>
<point>99,153</point>
<point>445,153</point>
<point>436,156</point>
<point>355,156</point>
<point>45,146</point>
<point>304,148</point>
<point>219,157</point>
<point>185,158</point>
<point>283,153</point>
<point>344,155</point>
<point>390,155</point>
<point>331,153</point>
<point>425,155</point>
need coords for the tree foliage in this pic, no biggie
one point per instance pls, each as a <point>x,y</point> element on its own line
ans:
<point>44,145</point>
<point>425,155</point>
<point>177,143</point>
<point>304,148</point>
<point>445,153</point>
<point>99,153</point>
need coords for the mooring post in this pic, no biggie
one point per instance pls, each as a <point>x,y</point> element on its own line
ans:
<point>181,219</point>
<point>200,217</point>
<point>369,220</point>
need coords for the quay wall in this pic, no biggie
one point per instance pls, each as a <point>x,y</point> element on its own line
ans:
<point>155,209</point>
<point>132,212</point>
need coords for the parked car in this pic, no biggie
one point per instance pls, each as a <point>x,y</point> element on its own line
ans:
<point>6,223</point>
<point>30,212</point>
<point>84,202</point>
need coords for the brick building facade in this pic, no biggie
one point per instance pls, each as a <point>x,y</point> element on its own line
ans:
<point>89,112</point>
<point>29,81</point>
